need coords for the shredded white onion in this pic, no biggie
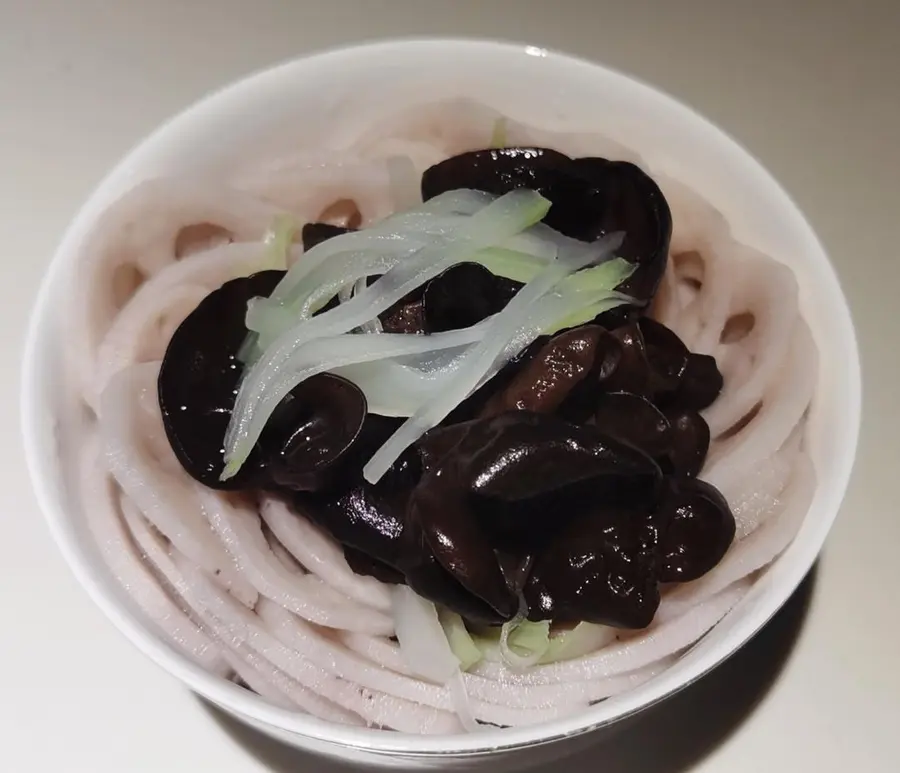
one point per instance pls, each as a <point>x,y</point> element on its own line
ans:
<point>421,638</point>
<point>509,333</point>
<point>393,388</point>
<point>502,218</point>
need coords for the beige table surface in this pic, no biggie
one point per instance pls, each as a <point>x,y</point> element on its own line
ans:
<point>812,88</point>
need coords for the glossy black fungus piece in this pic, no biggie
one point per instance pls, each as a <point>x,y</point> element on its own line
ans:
<point>527,475</point>
<point>631,202</point>
<point>632,371</point>
<point>689,443</point>
<point>591,197</point>
<point>404,317</point>
<point>439,509</point>
<point>364,564</point>
<point>498,171</point>
<point>609,372</point>
<point>633,419</point>
<point>475,404</point>
<point>431,581</point>
<point>369,518</point>
<point>509,483</point>
<point>666,354</point>
<point>314,234</point>
<point>609,357</point>
<point>434,446</point>
<point>600,570</point>
<point>699,530</point>
<point>544,382</point>
<point>403,474</point>
<point>199,377</point>
<point>521,455</point>
<point>701,383</point>
<point>407,315</point>
<point>325,415</point>
<point>363,518</point>
<point>463,295</point>
<point>618,316</point>
<point>380,539</point>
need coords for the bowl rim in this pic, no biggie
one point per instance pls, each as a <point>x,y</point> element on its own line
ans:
<point>241,703</point>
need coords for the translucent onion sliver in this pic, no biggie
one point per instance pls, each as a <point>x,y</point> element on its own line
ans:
<point>510,331</point>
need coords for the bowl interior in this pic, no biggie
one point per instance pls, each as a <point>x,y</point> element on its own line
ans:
<point>306,103</point>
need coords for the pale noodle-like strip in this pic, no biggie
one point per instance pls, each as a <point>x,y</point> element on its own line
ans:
<point>759,495</point>
<point>138,237</point>
<point>115,542</point>
<point>782,409</point>
<point>768,290</point>
<point>167,498</point>
<point>506,687</point>
<point>306,186</point>
<point>321,555</point>
<point>243,659</point>
<point>290,571</point>
<point>240,529</point>
<point>243,625</point>
<point>300,637</point>
<point>140,332</point>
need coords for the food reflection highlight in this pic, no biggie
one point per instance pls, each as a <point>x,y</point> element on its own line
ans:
<point>438,435</point>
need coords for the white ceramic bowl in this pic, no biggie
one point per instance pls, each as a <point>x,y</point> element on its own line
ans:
<point>305,100</point>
